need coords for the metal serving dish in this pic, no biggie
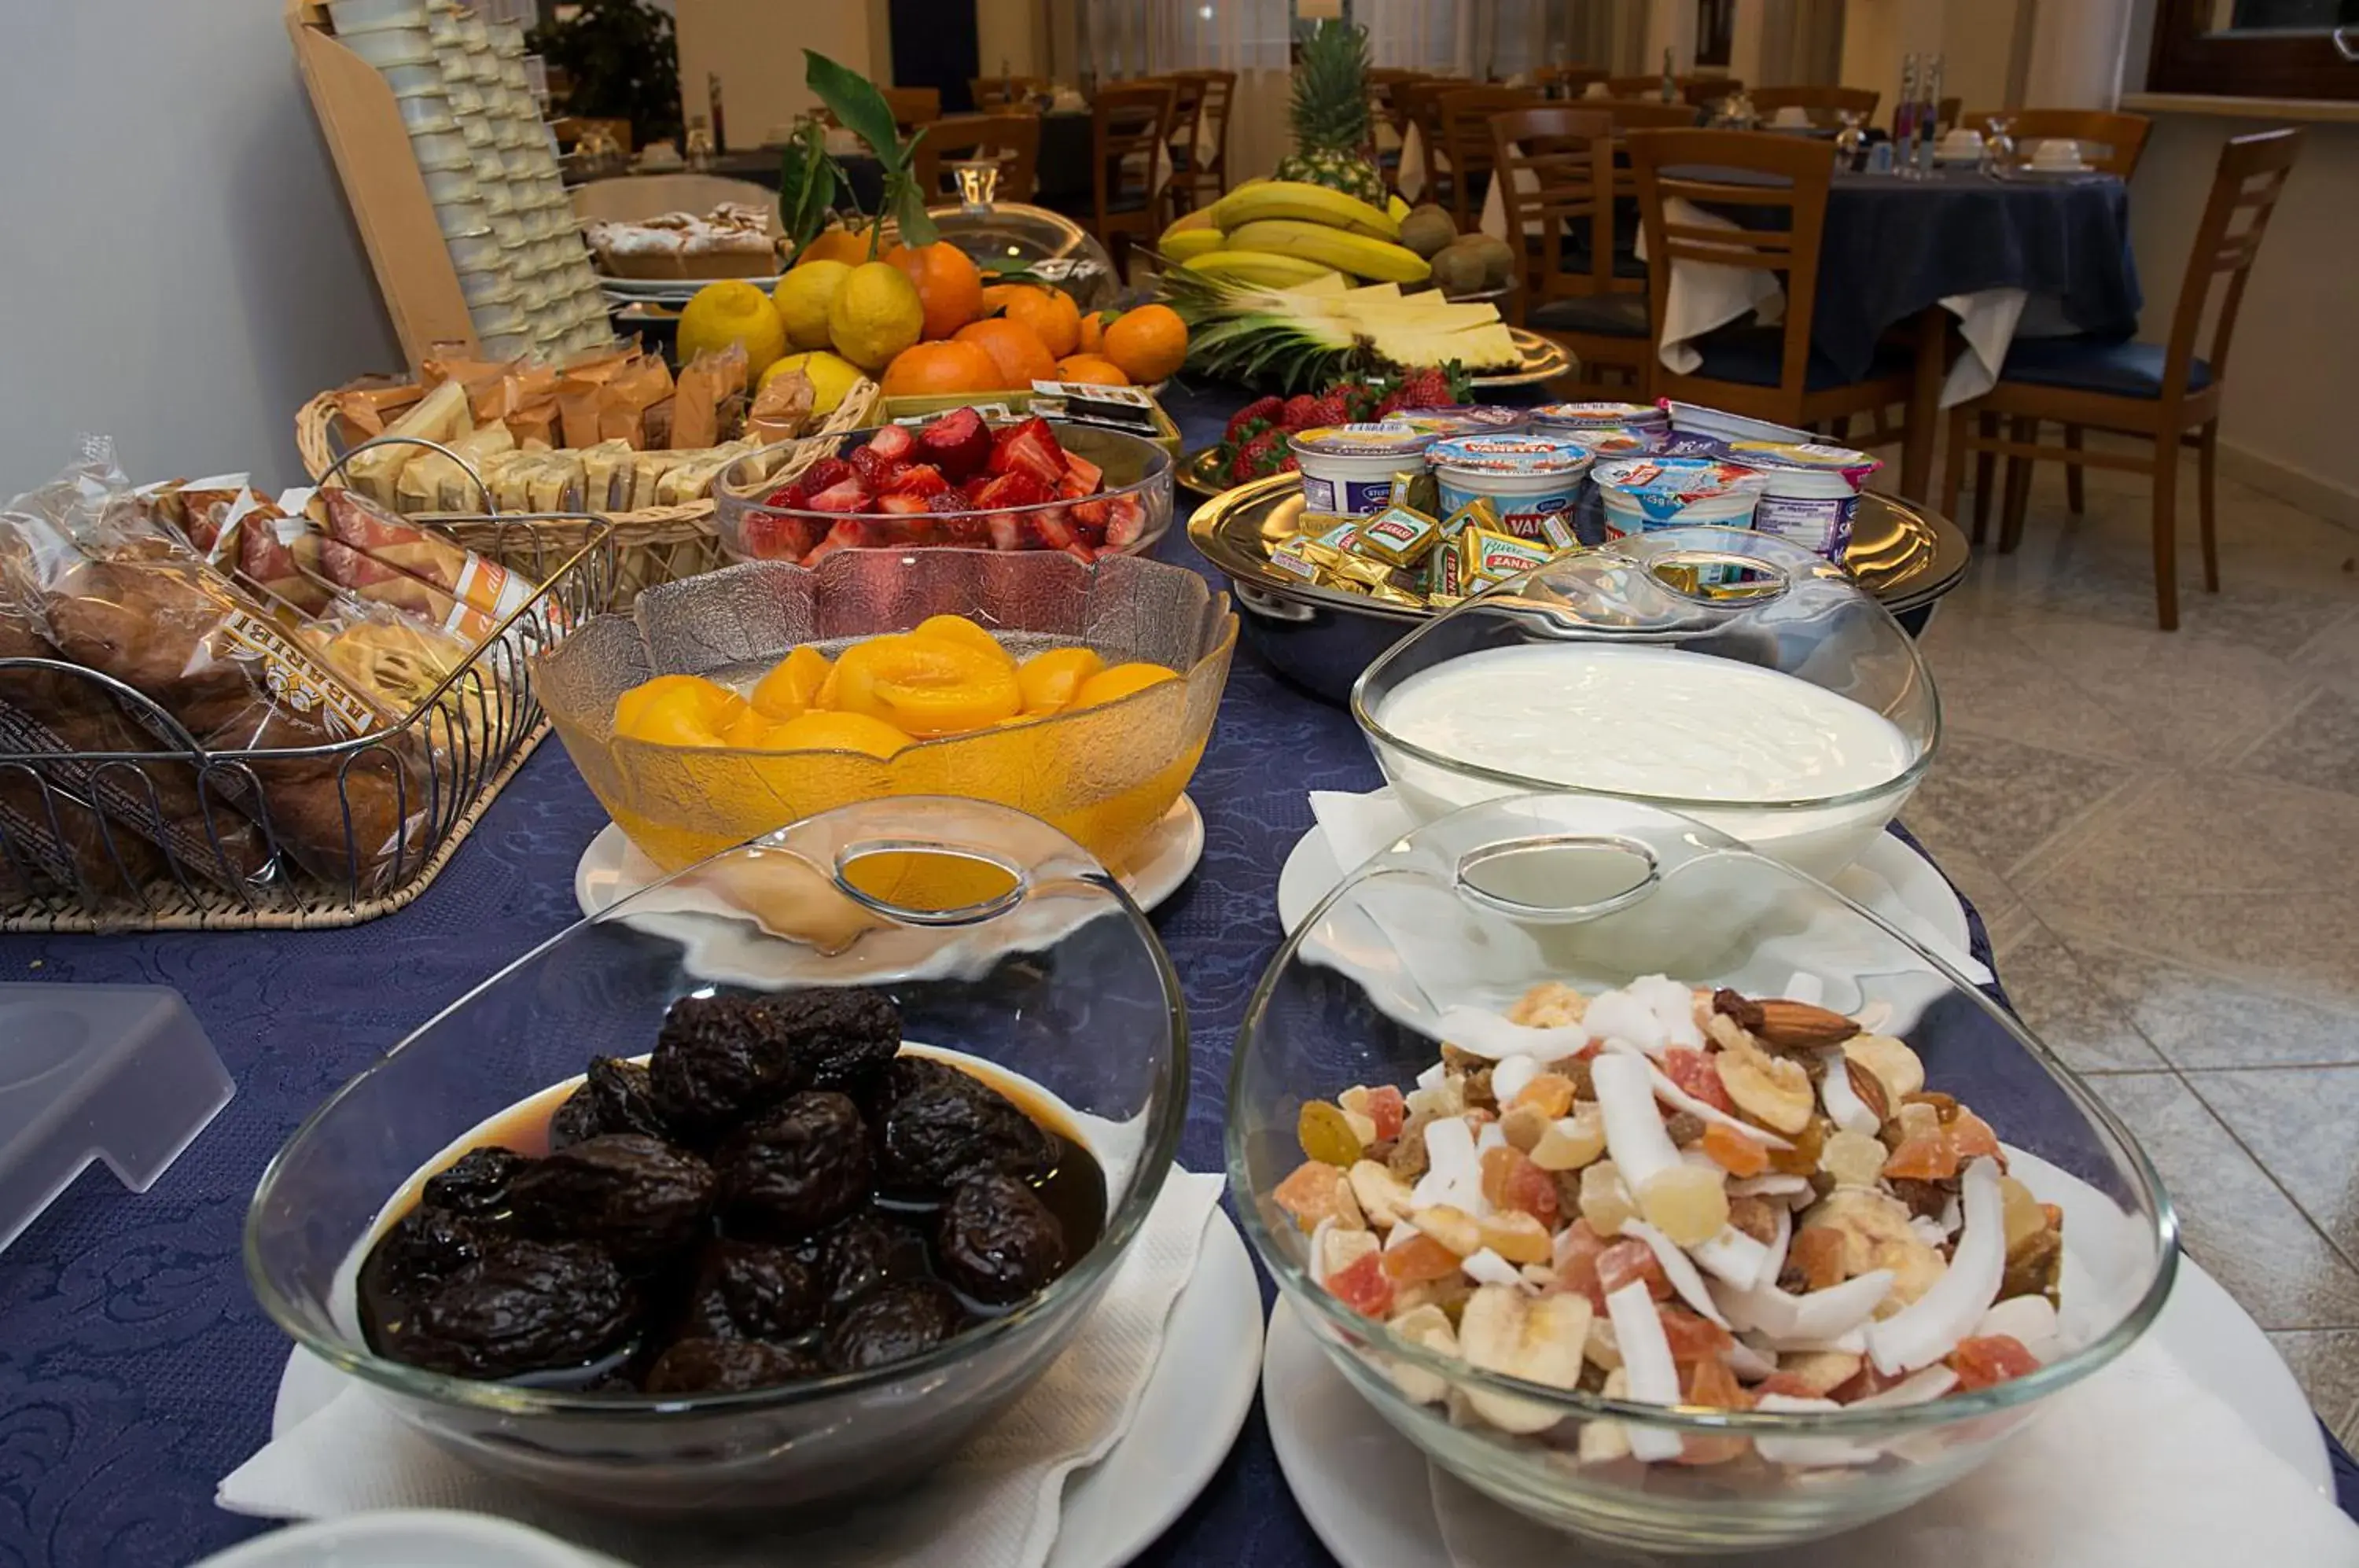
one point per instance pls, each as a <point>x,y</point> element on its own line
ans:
<point>1321,638</point>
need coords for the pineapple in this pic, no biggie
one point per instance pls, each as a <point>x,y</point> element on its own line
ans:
<point>1333,141</point>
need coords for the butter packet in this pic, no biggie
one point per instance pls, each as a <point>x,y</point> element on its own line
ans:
<point>1397,536</point>
<point>1476,514</point>
<point>1496,557</point>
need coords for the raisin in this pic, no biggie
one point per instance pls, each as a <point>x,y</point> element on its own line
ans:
<point>2034,1267</point>
<point>1927,1199</point>
<point>642,1199</point>
<point>906,1318</point>
<point>799,1168</point>
<point>527,1306</point>
<point>998,1242</point>
<point>720,1060</point>
<point>936,1135</point>
<point>1683,1127</point>
<point>729,1366</point>
<point>476,1183</point>
<point>616,1096</point>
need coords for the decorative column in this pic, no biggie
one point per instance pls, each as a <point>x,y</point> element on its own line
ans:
<point>2076,54</point>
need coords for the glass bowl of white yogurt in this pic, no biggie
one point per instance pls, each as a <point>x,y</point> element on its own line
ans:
<point>1725,675</point>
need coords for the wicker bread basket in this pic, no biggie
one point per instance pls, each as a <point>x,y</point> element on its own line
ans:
<point>658,545</point>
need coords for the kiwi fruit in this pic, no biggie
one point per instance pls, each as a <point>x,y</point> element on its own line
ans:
<point>1498,260</point>
<point>1458,270</point>
<point>1426,230</point>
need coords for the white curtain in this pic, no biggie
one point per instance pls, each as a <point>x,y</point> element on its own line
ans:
<point>1145,38</point>
<point>1423,34</point>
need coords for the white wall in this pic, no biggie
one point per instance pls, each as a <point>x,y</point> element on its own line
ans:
<point>178,266</point>
<point>757,48</point>
<point>1006,32</point>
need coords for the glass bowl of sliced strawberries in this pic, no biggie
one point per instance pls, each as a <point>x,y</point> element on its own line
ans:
<point>955,480</point>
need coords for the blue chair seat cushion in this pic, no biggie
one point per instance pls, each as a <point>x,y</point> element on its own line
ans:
<point>1755,356</point>
<point>1604,315</point>
<point>2096,365</point>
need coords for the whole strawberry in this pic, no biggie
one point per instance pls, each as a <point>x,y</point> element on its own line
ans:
<point>1426,388</point>
<point>1300,413</point>
<point>1253,418</point>
<point>1259,457</point>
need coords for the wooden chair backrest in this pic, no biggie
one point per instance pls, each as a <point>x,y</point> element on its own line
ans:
<point>1422,106</point>
<point>1012,141</point>
<point>1465,114</point>
<point>1555,168</point>
<point>1705,90</point>
<point>1220,95</point>
<point>1635,86</point>
<point>1127,118</point>
<point>999,91</point>
<point>1572,80</point>
<point>2245,190</point>
<point>1822,104</point>
<point>1789,173</point>
<point>1648,114</point>
<point>913,106</point>
<point>2110,141</point>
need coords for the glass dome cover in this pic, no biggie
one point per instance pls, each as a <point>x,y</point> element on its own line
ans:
<point>1014,238</point>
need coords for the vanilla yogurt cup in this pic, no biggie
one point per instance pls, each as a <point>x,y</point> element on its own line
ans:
<point>1348,469</point>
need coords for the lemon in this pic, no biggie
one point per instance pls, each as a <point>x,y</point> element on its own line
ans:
<point>802,298</point>
<point>731,311</point>
<point>830,377</point>
<point>876,314</point>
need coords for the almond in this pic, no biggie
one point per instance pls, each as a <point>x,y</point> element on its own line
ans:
<point>1869,1088</point>
<point>1742,1010</point>
<point>1800,1025</point>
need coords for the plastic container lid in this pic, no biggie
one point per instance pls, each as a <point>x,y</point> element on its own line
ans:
<point>1663,490</point>
<point>1464,419</point>
<point>122,1074</point>
<point>1387,441</point>
<point>1533,454</point>
<point>1601,416</point>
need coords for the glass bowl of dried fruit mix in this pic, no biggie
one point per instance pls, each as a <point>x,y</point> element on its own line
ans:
<point>1029,483</point>
<point>699,1219</point>
<point>1667,1196</point>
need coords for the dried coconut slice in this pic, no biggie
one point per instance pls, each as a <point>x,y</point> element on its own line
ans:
<point>1508,1078</point>
<point>1485,1034</point>
<point>1736,1257</point>
<point>1486,1266</point>
<point>1673,1005</point>
<point>1777,1185</point>
<point>1791,1321</point>
<point>1808,1451</point>
<point>1930,1327</point>
<point>1647,1364</point>
<point>1844,1108</point>
<point>1678,1099</point>
<point>1635,1136</point>
<point>1678,1268</point>
<point>1617,1015</point>
<point>1918,1388</point>
<point>2030,1321</point>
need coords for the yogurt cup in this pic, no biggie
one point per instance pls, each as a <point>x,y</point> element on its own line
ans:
<point>1464,419</point>
<point>1348,469</point>
<point>1526,477</point>
<point>1641,495</point>
<point>1574,418</point>
<point>1810,492</point>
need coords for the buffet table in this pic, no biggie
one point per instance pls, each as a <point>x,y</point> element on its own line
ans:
<point>137,1370</point>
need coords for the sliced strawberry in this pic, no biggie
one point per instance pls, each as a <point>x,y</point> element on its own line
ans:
<point>903,505</point>
<point>958,444</point>
<point>1081,469</point>
<point>1054,524</point>
<point>952,498</point>
<point>823,474</point>
<point>1006,532</point>
<point>918,479</point>
<point>849,495</point>
<point>1093,514</point>
<point>1015,489</point>
<point>794,497</point>
<point>773,536</point>
<point>1029,447</point>
<point>971,531</point>
<point>1127,525</point>
<point>894,441</point>
<point>875,470</point>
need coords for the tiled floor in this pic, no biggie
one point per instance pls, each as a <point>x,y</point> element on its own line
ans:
<point>2163,832</point>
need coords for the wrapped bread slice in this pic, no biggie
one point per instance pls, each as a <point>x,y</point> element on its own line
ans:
<point>601,464</point>
<point>557,483</point>
<point>440,416</point>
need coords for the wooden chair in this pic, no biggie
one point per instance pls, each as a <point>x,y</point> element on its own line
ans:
<point>2109,140</point>
<point>1570,81</point>
<point>1945,114</point>
<point>1558,182</point>
<point>1007,92</point>
<point>1013,141</point>
<point>1766,373</point>
<point>1704,90</point>
<point>1420,104</point>
<point>1179,151</point>
<point>2165,392</point>
<point>913,106</point>
<point>1201,180</point>
<point>1648,114</point>
<point>1383,96</point>
<point>1825,105</point>
<point>1648,86</point>
<point>1130,135</point>
<point>1465,116</point>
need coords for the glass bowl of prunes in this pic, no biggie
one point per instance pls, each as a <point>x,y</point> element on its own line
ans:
<point>678,1216</point>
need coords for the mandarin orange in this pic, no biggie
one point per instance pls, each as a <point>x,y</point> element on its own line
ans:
<point>1091,370</point>
<point>1149,343</point>
<point>927,369</point>
<point>1048,311</point>
<point>949,285</point>
<point>1014,348</point>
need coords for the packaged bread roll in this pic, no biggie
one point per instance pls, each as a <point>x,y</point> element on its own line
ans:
<point>600,465</point>
<point>440,416</point>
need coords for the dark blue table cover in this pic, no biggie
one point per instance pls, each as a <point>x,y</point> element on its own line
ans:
<point>1895,247</point>
<point>136,1369</point>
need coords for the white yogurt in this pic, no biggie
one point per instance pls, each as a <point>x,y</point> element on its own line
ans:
<point>1655,722</point>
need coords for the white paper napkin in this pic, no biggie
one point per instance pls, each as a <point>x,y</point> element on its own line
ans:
<point>996,1505</point>
<point>2139,1466</point>
<point>1411,177</point>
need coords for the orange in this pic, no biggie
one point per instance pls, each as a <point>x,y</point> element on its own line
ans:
<point>965,632</point>
<point>1049,679</point>
<point>838,732</point>
<point>1114,684</point>
<point>1149,343</point>
<point>1093,326</point>
<point>948,284</point>
<point>926,687</point>
<point>926,368</point>
<point>789,689</point>
<point>1014,348</point>
<point>848,246</point>
<point>1092,370</point>
<point>1048,311</point>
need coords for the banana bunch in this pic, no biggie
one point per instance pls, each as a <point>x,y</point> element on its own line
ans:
<point>1282,234</point>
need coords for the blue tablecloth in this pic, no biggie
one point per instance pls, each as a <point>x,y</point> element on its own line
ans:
<point>136,1369</point>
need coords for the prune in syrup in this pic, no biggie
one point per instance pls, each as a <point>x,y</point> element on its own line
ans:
<point>640,1198</point>
<point>847,1040</point>
<point>747,1289</point>
<point>797,1169</point>
<point>729,1366</point>
<point>477,1181</point>
<point>949,1127</point>
<point>616,1096</point>
<point>426,1247</point>
<point>527,1306</point>
<point>906,1318</point>
<point>998,1242</point>
<point>720,1060</point>
<point>861,1254</point>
